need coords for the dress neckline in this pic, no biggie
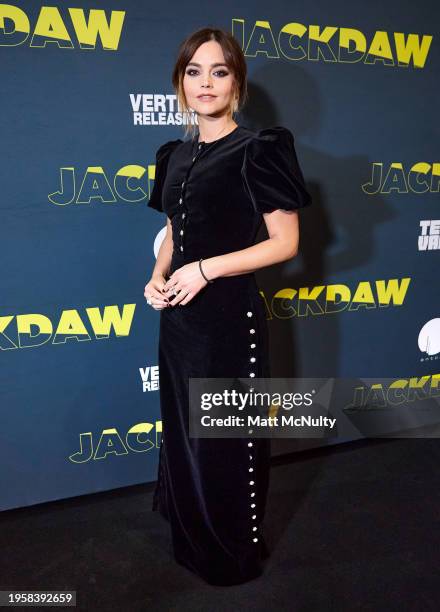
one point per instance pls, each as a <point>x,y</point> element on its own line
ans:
<point>203,142</point>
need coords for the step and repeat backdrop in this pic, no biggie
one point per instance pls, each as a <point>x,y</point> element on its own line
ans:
<point>86,100</point>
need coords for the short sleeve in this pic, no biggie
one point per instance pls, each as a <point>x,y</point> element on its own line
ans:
<point>271,172</point>
<point>162,156</point>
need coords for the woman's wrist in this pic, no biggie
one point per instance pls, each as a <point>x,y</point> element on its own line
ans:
<point>211,267</point>
<point>209,280</point>
<point>158,275</point>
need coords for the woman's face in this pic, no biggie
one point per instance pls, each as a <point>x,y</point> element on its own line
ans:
<point>207,73</point>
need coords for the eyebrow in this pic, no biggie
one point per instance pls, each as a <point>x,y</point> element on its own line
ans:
<point>212,65</point>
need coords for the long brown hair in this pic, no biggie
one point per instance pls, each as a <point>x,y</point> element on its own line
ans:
<point>234,59</point>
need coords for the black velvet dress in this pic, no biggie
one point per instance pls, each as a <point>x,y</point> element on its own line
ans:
<point>213,491</point>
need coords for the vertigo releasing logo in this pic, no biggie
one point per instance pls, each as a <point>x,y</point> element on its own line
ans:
<point>158,109</point>
<point>150,378</point>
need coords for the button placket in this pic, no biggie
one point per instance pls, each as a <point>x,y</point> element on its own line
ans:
<point>252,493</point>
<point>182,225</point>
<point>254,527</point>
<point>184,214</point>
<point>252,359</point>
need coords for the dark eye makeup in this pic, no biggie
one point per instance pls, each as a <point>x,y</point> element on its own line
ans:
<point>191,70</point>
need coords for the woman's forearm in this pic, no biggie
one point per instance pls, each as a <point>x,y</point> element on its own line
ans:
<point>261,255</point>
<point>163,261</point>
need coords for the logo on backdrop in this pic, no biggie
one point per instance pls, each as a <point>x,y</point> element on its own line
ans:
<point>66,28</point>
<point>329,299</point>
<point>150,378</point>
<point>296,41</point>
<point>421,177</point>
<point>159,109</point>
<point>429,238</point>
<point>140,438</point>
<point>34,330</point>
<point>429,339</point>
<point>131,183</point>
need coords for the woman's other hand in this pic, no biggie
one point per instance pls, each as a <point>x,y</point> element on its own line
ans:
<point>153,292</point>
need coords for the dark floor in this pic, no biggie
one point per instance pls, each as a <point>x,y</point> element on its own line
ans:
<point>351,527</point>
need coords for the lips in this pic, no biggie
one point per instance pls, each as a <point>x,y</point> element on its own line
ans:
<point>206,97</point>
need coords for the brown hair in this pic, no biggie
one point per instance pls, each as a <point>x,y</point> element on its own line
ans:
<point>235,61</point>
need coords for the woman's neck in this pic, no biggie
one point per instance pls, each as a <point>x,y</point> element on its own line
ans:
<point>211,134</point>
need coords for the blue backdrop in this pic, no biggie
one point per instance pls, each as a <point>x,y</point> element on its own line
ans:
<point>86,99</point>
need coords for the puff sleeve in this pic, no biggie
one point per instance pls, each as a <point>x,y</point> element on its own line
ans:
<point>271,172</point>
<point>162,156</point>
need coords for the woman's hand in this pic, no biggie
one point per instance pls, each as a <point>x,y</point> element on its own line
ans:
<point>154,291</point>
<point>186,281</point>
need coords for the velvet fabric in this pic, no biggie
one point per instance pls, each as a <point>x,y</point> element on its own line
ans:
<point>213,491</point>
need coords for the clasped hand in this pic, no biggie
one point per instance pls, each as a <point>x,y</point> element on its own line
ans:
<point>186,281</point>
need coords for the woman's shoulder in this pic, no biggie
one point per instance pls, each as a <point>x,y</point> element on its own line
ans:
<point>271,170</point>
<point>273,134</point>
<point>167,148</point>
<point>163,154</point>
<point>276,142</point>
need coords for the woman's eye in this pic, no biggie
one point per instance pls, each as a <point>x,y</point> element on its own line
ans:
<point>221,72</point>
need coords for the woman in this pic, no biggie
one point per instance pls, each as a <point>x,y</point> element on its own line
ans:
<point>216,188</point>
